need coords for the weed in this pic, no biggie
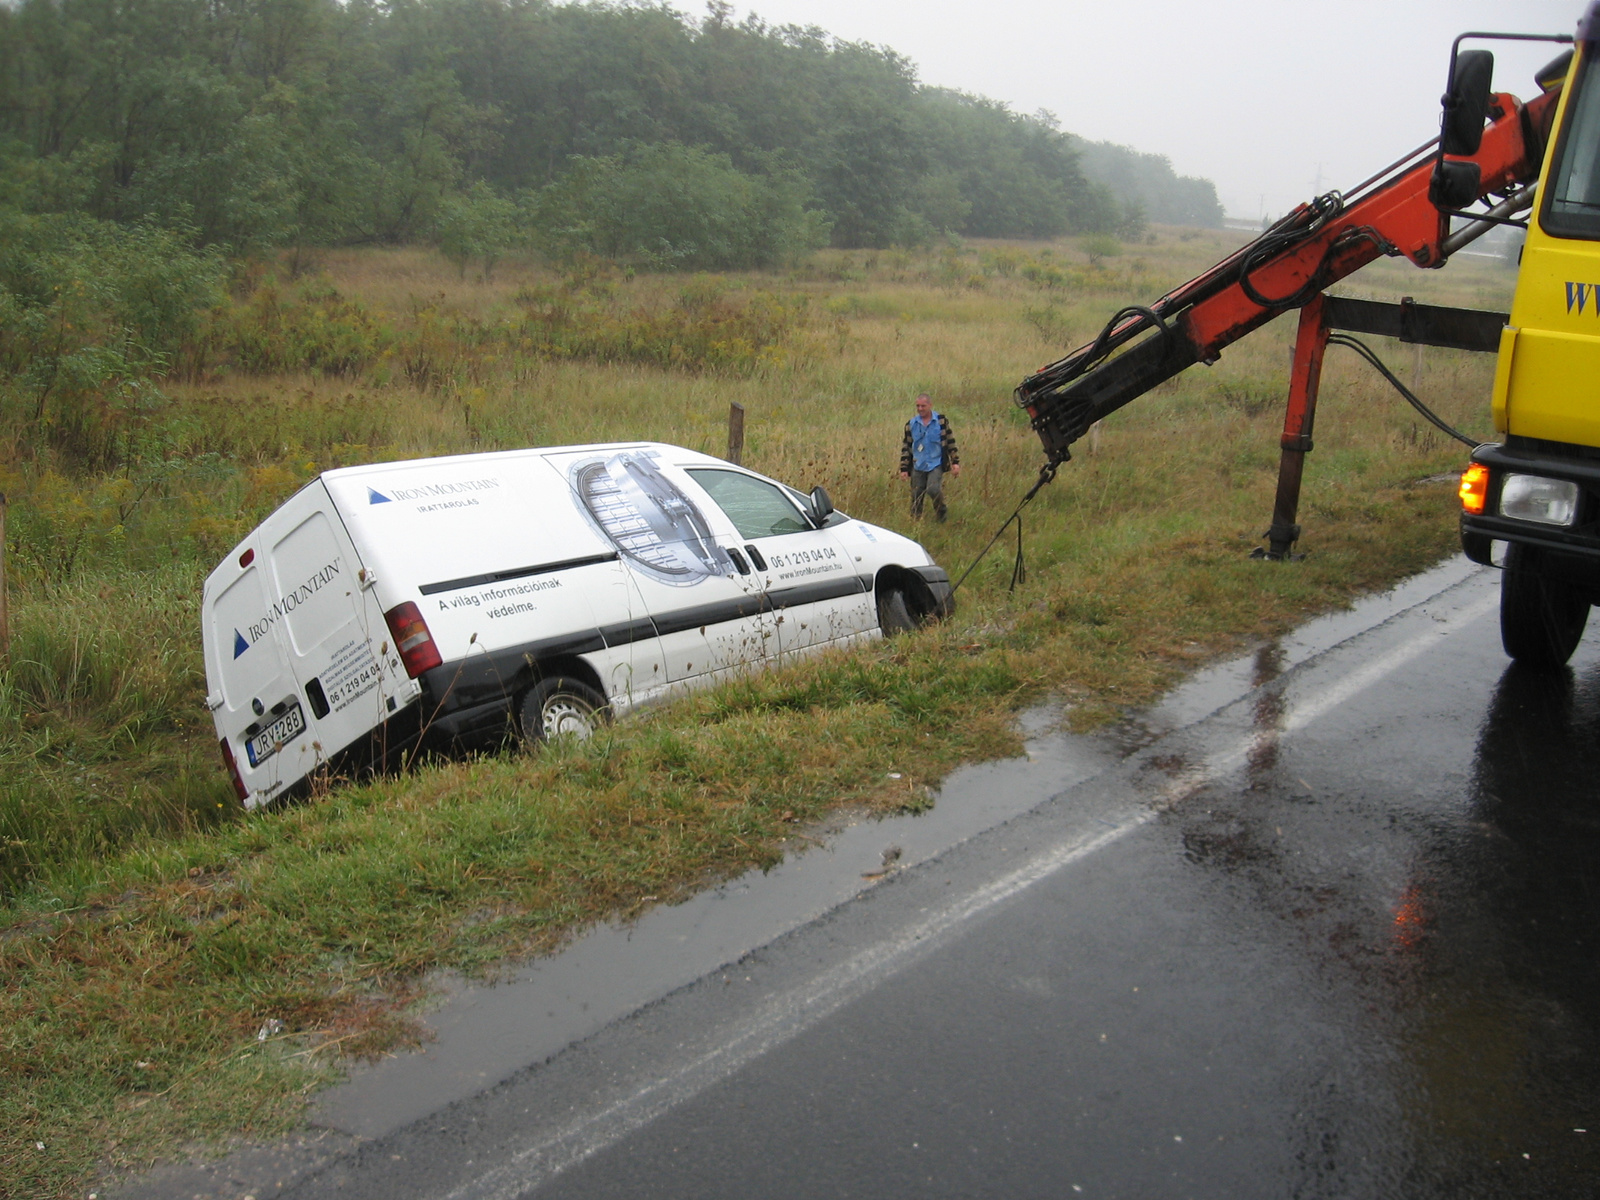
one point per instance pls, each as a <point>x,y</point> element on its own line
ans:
<point>1051,324</point>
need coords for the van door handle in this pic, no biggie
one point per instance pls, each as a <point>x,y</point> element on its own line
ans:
<point>755,557</point>
<point>738,561</point>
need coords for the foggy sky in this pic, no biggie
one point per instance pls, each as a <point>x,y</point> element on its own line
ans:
<point>1264,97</point>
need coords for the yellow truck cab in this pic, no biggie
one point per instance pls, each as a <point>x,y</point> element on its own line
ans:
<point>1535,494</point>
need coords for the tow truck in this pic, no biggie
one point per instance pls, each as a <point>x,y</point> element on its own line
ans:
<point>1530,501</point>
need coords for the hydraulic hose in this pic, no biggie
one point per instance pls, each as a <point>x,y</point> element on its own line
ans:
<point>1433,418</point>
<point>1292,229</point>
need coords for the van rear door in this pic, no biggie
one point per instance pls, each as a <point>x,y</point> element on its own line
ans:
<point>332,629</point>
<point>255,699</point>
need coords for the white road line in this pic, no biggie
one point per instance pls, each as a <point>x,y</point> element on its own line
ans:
<point>779,1020</point>
<point>1326,699</point>
<point>787,1015</point>
<point>1364,677</point>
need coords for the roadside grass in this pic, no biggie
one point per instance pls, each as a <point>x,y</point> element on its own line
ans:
<point>151,931</point>
<point>100,740</point>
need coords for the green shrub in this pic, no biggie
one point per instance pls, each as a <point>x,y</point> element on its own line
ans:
<point>478,224</point>
<point>91,314</point>
<point>674,207</point>
<point>1101,246</point>
<point>315,330</point>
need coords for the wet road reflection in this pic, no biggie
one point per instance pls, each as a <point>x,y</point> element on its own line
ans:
<point>1448,917</point>
<point>1502,1010</point>
<point>1267,710</point>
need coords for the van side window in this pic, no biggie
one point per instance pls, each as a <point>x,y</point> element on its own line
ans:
<point>757,508</point>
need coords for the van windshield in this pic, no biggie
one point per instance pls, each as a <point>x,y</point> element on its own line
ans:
<point>1572,207</point>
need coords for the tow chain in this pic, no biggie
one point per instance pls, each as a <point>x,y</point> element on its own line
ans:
<point>1019,570</point>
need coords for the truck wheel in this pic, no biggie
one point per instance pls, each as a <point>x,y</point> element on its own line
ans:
<point>561,706</point>
<point>893,614</point>
<point>1541,619</point>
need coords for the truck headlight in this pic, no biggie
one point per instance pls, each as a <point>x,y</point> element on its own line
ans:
<point>1535,498</point>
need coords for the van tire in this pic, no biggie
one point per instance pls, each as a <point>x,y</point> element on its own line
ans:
<point>561,706</point>
<point>1541,619</point>
<point>894,616</point>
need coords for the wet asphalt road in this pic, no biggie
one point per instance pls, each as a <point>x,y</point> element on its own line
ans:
<point>1322,925</point>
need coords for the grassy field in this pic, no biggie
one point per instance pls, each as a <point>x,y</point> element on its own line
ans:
<point>150,931</point>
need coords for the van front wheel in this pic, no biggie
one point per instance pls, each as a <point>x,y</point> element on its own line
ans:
<point>561,706</point>
<point>894,615</point>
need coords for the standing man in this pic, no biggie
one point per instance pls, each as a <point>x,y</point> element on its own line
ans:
<point>926,453</point>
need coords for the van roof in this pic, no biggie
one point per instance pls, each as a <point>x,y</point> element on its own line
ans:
<point>420,524</point>
<point>678,452</point>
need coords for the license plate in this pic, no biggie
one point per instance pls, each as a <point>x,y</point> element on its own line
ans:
<point>271,739</point>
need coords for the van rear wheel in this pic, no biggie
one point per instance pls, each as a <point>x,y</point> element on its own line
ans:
<point>561,706</point>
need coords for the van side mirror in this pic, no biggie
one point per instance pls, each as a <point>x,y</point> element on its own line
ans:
<point>1466,102</point>
<point>821,506</point>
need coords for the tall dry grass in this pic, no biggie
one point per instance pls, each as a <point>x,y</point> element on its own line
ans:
<point>1191,465</point>
<point>148,926</point>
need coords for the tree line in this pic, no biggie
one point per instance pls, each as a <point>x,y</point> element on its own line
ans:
<point>626,129</point>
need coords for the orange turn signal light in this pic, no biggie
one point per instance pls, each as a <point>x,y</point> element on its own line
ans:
<point>1475,488</point>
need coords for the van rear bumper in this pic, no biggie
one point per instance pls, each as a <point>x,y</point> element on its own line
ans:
<point>467,702</point>
<point>466,725</point>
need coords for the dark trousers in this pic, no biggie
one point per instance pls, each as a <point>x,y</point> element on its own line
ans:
<point>931,485</point>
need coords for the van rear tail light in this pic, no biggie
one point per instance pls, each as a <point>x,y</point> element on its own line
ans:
<point>233,772</point>
<point>412,639</point>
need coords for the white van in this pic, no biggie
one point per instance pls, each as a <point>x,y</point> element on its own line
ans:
<point>454,601</point>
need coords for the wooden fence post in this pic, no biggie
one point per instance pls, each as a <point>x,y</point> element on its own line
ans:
<point>5,620</point>
<point>736,433</point>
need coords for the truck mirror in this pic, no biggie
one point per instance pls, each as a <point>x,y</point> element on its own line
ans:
<point>821,506</point>
<point>1466,102</point>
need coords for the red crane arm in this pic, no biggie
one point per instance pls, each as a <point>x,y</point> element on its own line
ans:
<point>1288,266</point>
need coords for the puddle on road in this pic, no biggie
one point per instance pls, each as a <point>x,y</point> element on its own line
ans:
<point>485,1033</point>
